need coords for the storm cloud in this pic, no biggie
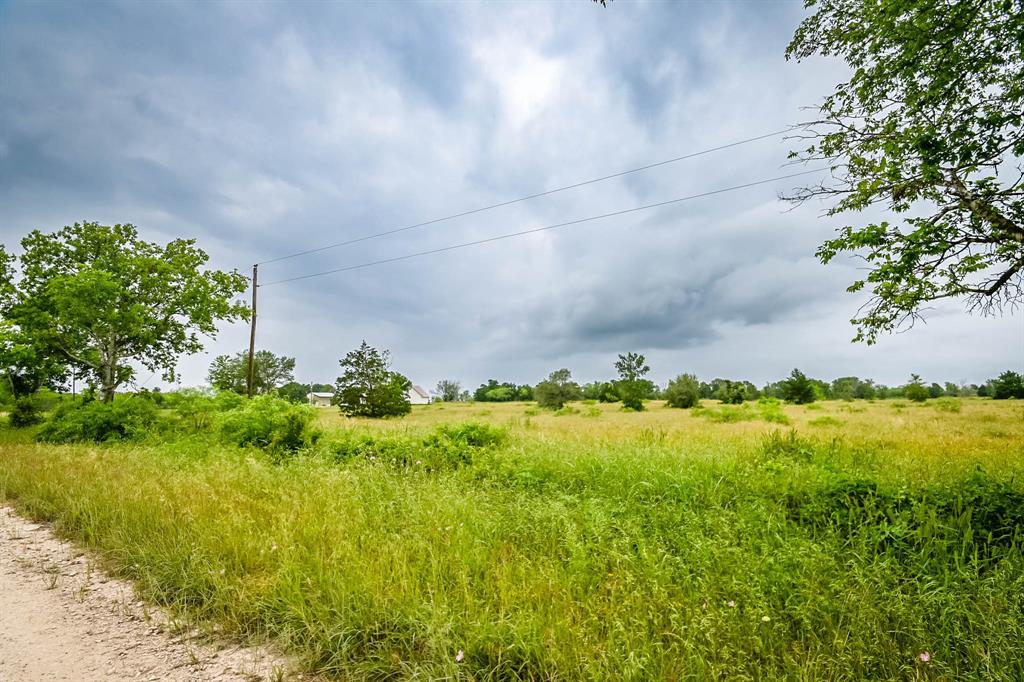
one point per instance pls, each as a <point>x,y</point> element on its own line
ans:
<point>264,129</point>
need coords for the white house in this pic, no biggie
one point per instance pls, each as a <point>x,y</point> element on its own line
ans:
<point>319,398</point>
<point>417,396</point>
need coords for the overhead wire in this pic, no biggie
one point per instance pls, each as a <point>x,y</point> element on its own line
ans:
<point>521,233</point>
<point>536,195</point>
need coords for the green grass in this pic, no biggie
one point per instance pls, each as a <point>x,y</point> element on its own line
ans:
<point>633,546</point>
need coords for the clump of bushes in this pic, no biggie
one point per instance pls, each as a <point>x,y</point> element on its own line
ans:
<point>683,392</point>
<point>25,412</point>
<point>126,418</point>
<point>197,410</point>
<point>269,422</point>
<point>771,410</point>
<point>726,414</point>
<point>979,519</point>
<point>447,447</point>
<point>825,420</point>
<point>947,405</point>
<point>775,446</point>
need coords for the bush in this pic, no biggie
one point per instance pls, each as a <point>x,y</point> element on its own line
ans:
<point>771,410</point>
<point>1008,385</point>
<point>683,392</point>
<point>473,434</point>
<point>557,390</point>
<point>448,447</point>
<point>947,404</point>
<point>123,419</point>
<point>798,388</point>
<point>269,422</point>
<point>24,413</point>
<point>198,410</point>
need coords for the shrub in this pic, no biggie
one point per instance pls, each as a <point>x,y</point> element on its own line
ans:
<point>797,388</point>
<point>915,391</point>
<point>726,414</point>
<point>24,413</point>
<point>947,404</point>
<point>825,420</point>
<point>683,392</point>
<point>198,410</point>
<point>269,422</point>
<point>557,390</point>
<point>771,410</point>
<point>368,387</point>
<point>123,419</point>
<point>1008,385</point>
<point>473,434</point>
<point>448,447</point>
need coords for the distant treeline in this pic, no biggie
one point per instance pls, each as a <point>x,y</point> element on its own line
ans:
<point>1008,385</point>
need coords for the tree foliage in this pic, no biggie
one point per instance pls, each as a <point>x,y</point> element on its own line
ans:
<point>631,386</point>
<point>929,128</point>
<point>494,392</point>
<point>915,390</point>
<point>450,391</point>
<point>99,298</point>
<point>1007,385</point>
<point>230,372</point>
<point>797,388</point>
<point>558,389</point>
<point>368,387</point>
<point>683,392</point>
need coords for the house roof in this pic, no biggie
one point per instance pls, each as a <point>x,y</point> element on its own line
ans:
<point>420,391</point>
<point>321,394</point>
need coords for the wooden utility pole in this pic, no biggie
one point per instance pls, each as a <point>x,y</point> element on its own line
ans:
<point>250,374</point>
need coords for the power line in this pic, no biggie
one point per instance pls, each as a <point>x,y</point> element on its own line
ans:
<point>526,198</point>
<point>541,229</point>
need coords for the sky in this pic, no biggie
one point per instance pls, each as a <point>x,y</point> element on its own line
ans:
<point>262,129</point>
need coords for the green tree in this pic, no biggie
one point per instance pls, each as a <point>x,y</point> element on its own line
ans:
<point>631,386</point>
<point>25,366</point>
<point>449,390</point>
<point>927,127</point>
<point>557,390</point>
<point>229,373</point>
<point>293,391</point>
<point>98,297</point>
<point>915,390</point>
<point>368,387</point>
<point>683,391</point>
<point>797,388</point>
<point>1008,385</point>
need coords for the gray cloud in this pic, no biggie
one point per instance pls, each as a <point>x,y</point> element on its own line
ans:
<point>263,129</point>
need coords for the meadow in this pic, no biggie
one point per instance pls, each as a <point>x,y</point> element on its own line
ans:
<point>835,541</point>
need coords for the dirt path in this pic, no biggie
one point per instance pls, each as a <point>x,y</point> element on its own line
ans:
<point>62,619</point>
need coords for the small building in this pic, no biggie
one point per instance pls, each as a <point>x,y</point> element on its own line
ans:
<point>417,396</point>
<point>319,398</point>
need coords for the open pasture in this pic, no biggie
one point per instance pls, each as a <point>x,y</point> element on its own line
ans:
<point>856,540</point>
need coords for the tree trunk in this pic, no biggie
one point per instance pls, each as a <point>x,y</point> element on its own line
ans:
<point>108,382</point>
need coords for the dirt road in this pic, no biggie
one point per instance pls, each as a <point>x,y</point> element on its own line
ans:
<point>62,619</point>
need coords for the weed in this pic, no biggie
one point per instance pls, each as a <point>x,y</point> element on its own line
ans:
<point>825,420</point>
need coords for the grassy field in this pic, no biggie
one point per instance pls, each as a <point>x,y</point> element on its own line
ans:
<point>831,541</point>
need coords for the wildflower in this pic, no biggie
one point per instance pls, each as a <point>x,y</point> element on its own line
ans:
<point>924,657</point>
<point>765,619</point>
<point>418,462</point>
<point>731,604</point>
<point>459,656</point>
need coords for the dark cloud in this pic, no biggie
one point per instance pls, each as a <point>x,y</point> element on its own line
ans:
<point>263,129</point>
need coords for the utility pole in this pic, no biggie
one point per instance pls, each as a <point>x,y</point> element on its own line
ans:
<point>252,335</point>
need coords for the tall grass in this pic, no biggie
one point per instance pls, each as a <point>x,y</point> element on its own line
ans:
<point>635,546</point>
